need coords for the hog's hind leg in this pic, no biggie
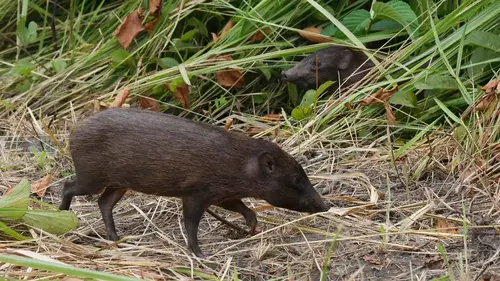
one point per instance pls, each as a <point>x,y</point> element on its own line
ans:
<point>106,202</point>
<point>74,188</point>
<point>193,210</point>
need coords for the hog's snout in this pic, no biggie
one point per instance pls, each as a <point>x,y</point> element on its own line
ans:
<point>285,76</point>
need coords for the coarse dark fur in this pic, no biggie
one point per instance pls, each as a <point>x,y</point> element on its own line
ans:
<point>157,153</point>
<point>327,64</point>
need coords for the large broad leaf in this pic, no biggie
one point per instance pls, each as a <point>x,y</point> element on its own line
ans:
<point>17,198</point>
<point>480,55</point>
<point>357,21</point>
<point>25,34</point>
<point>484,39</point>
<point>55,222</point>
<point>437,82</point>
<point>404,98</point>
<point>397,11</point>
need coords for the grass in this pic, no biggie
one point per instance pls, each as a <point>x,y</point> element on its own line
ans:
<point>415,200</point>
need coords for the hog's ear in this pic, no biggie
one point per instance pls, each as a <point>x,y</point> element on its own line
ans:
<point>345,59</point>
<point>266,162</point>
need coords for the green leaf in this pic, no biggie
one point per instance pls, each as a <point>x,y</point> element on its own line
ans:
<point>301,112</point>
<point>17,198</point>
<point>478,56</point>
<point>63,268</point>
<point>11,232</point>
<point>24,86</point>
<point>25,34</point>
<point>384,25</point>
<point>309,98</point>
<point>120,59</point>
<point>167,62</point>
<point>189,35</point>
<point>329,30</point>
<point>202,28</point>
<point>357,21</point>
<point>483,39</point>
<point>398,11</point>
<point>437,82</point>
<point>55,222</point>
<point>293,95</point>
<point>323,88</point>
<point>23,68</point>
<point>58,65</point>
<point>404,98</point>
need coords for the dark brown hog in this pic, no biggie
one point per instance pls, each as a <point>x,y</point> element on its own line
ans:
<point>161,154</point>
<point>329,64</point>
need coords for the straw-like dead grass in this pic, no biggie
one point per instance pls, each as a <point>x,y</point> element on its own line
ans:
<point>389,224</point>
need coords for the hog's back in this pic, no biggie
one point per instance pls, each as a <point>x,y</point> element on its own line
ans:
<point>154,152</point>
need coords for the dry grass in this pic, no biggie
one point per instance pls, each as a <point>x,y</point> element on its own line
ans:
<point>390,225</point>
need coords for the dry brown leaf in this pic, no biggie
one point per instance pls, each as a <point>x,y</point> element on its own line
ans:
<point>348,106</point>
<point>272,117</point>
<point>259,36</point>
<point>40,186</point>
<point>120,98</point>
<point>149,103</point>
<point>444,227</point>
<point>372,260</point>
<point>486,102</point>
<point>129,28</point>
<point>181,94</point>
<point>154,5</point>
<point>263,208</point>
<point>151,25</point>
<point>254,130</point>
<point>223,32</point>
<point>229,78</point>
<point>380,96</point>
<point>491,86</point>
<point>314,38</point>
<point>229,122</point>
<point>391,120</point>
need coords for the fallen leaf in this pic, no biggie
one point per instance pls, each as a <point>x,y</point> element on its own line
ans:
<point>149,103</point>
<point>229,78</point>
<point>486,102</point>
<point>263,208</point>
<point>272,117</point>
<point>380,96</point>
<point>154,5</point>
<point>181,94</point>
<point>444,227</point>
<point>120,98</point>
<point>151,25</point>
<point>129,28</point>
<point>348,106</point>
<point>224,31</point>
<point>229,122</point>
<point>391,120</point>
<point>259,36</point>
<point>372,260</point>
<point>314,38</point>
<point>490,86</point>
<point>40,187</point>
<point>254,130</point>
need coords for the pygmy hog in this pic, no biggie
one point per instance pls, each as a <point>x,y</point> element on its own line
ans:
<point>166,155</point>
<point>327,64</point>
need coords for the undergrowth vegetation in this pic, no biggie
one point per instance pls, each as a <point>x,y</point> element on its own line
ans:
<point>434,85</point>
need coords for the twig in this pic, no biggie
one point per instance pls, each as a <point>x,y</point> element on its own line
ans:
<point>224,221</point>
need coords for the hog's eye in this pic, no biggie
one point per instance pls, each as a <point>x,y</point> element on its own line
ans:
<point>297,182</point>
